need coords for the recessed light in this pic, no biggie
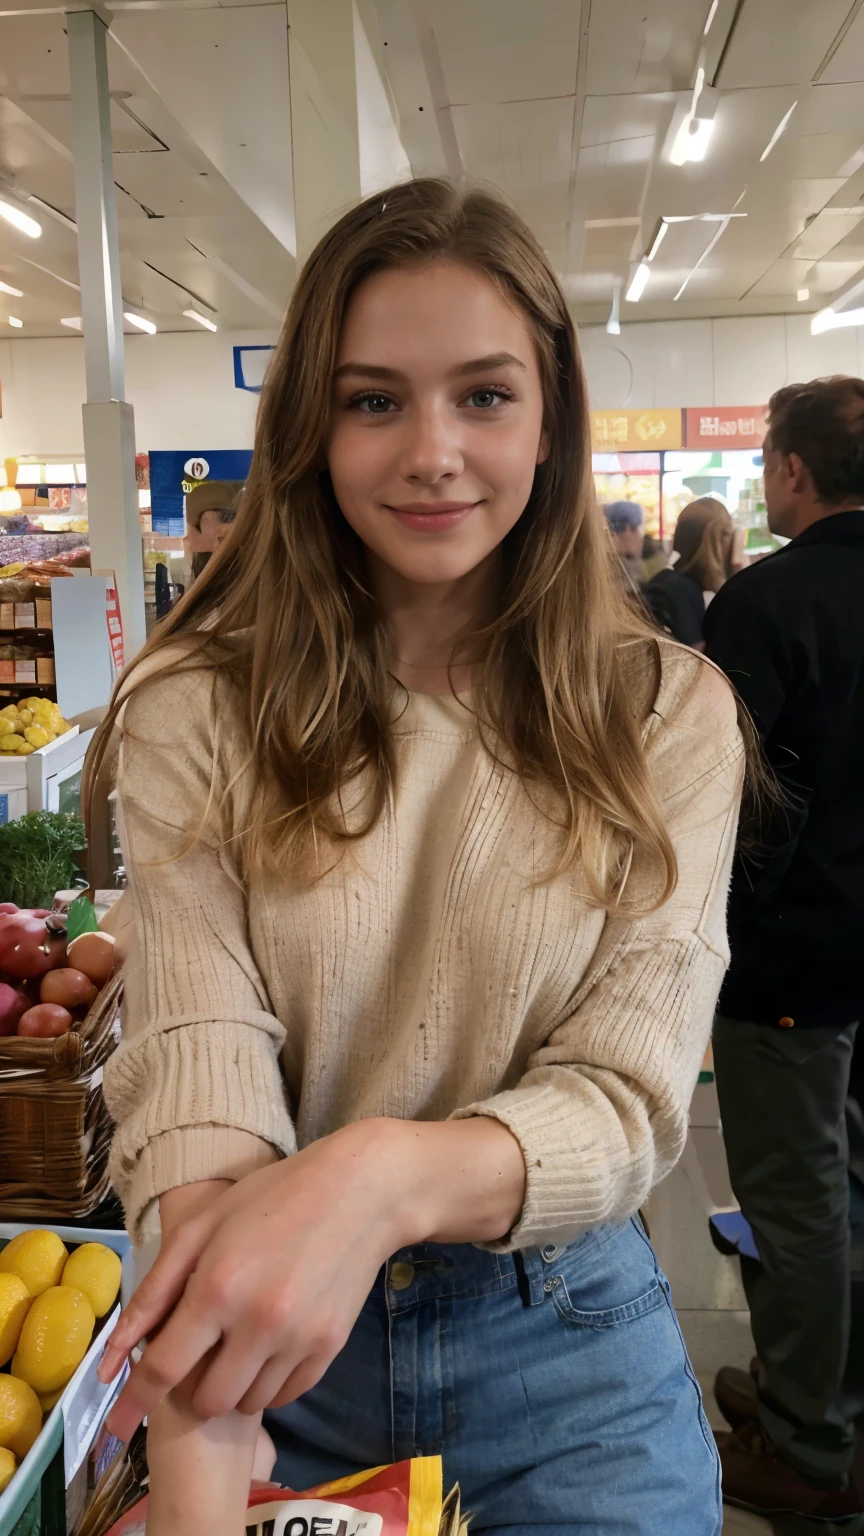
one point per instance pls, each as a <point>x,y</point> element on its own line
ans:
<point>20,220</point>
<point>16,293</point>
<point>140,323</point>
<point>803,295</point>
<point>192,314</point>
<point>18,324</point>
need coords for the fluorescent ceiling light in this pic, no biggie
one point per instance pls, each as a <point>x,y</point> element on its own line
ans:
<point>701,218</point>
<point>658,240</point>
<point>20,220</point>
<point>613,324</point>
<point>701,129</point>
<point>140,323</point>
<point>18,324</point>
<point>803,295</point>
<point>711,14</point>
<point>192,314</point>
<point>692,139</point>
<point>828,320</point>
<point>74,324</point>
<point>637,283</point>
<point>781,128</point>
<point>15,292</point>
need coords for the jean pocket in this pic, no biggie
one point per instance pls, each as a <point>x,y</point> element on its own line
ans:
<point>607,1317</point>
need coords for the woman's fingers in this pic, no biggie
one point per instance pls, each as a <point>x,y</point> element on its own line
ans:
<point>306,1376</point>
<point>233,1370</point>
<point>156,1296</point>
<point>165,1364</point>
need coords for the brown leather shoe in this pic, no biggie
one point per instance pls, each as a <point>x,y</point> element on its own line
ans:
<point>755,1477</point>
<point>737,1394</point>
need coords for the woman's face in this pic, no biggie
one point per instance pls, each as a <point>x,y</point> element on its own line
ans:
<point>437,419</point>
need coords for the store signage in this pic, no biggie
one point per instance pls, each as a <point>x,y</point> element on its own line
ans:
<point>628,431</point>
<point>115,624</point>
<point>174,475</point>
<point>724,426</point>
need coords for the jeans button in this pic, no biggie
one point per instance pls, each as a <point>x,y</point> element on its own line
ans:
<point>548,1285</point>
<point>550,1252</point>
<point>401,1275</point>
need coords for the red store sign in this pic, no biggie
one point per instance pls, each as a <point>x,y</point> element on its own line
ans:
<point>724,426</point>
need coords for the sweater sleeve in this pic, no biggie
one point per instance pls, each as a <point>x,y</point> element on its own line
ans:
<point>195,1087</point>
<point>601,1112</point>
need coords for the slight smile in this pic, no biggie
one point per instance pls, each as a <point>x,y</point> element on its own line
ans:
<point>432,516</point>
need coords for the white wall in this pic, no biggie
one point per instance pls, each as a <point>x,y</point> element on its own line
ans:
<point>182,385</point>
<point>712,362</point>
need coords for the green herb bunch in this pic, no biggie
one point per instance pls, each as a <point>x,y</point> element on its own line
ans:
<point>39,855</point>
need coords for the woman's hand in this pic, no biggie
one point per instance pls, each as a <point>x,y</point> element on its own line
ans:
<point>264,1285</point>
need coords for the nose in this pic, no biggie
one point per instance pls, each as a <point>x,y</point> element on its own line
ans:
<point>432,448</point>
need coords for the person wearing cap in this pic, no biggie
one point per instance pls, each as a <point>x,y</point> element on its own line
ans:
<point>626,522</point>
<point>210,511</point>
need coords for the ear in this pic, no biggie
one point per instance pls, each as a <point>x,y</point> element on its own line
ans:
<point>544,447</point>
<point>799,474</point>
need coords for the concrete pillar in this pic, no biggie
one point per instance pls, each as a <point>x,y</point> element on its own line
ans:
<point>324,132</point>
<point>109,426</point>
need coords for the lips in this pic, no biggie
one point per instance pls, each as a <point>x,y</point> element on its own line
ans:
<point>432,516</point>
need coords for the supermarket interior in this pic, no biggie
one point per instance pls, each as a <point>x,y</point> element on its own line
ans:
<point>693,174</point>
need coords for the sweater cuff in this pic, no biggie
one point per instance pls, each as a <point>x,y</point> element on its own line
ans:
<point>190,1156</point>
<point>561,1197</point>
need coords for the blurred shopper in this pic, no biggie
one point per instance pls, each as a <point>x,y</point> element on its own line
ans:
<point>707,554</point>
<point>626,521</point>
<point>790,634</point>
<point>210,510</point>
<point>431,883</point>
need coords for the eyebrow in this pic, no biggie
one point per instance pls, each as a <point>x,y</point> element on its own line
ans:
<point>476,365</point>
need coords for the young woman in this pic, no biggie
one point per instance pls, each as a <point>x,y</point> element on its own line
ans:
<point>709,550</point>
<point>429,843</point>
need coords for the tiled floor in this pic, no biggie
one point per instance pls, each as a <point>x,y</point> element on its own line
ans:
<point>706,1287</point>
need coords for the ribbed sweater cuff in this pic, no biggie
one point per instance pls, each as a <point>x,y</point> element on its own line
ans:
<point>190,1156</point>
<point>569,1187</point>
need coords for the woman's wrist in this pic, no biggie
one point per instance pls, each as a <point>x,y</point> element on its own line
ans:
<point>432,1181</point>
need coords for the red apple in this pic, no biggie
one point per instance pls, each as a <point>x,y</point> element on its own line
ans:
<point>12,1005</point>
<point>45,1021</point>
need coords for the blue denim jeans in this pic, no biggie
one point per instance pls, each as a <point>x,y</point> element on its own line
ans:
<point>554,1383</point>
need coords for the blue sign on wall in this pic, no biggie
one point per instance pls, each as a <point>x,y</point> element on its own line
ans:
<point>174,474</point>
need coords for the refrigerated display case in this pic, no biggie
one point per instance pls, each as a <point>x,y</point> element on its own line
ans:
<point>665,483</point>
<point>631,477</point>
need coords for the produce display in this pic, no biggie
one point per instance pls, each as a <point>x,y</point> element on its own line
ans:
<point>32,724</point>
<point>40,854</point>
<point>42,994</point>
<point>49,1304</point>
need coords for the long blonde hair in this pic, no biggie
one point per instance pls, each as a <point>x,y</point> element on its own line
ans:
<point>285,606</point>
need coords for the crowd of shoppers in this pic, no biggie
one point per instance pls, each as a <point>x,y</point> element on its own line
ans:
<point>789,633</point>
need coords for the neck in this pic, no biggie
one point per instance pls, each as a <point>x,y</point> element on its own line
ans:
<point>428,620</point>
<point>810,512</point>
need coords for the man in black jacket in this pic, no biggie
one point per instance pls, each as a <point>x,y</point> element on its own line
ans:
<point>789,633</point>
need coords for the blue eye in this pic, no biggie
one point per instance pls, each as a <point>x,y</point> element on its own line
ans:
<point>484,399</point>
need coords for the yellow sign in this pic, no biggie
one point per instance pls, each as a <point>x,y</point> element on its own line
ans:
<point>635,431</point>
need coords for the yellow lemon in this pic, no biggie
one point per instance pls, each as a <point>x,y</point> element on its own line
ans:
<point>26,716</point>
<point>8,1468</point>
<point>38,1258</point>
<point>10,712</point>
<point>14,1306</point>
<point>11,742</point>
<point>95,1270</point>
<point>49,1400</point>
<point>6,726</point>
<point>20,1416</point>
<point>36,736</point>
<point>25,749</point>
<point>54,1340</point>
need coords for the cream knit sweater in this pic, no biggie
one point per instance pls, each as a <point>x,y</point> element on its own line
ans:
<point>429,974</point>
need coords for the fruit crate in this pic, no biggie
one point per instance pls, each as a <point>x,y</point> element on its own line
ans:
<point>55,1130</point>
<point>45,1496</point>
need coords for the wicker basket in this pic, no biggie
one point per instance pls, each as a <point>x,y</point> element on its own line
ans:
<point>55,1130</point>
